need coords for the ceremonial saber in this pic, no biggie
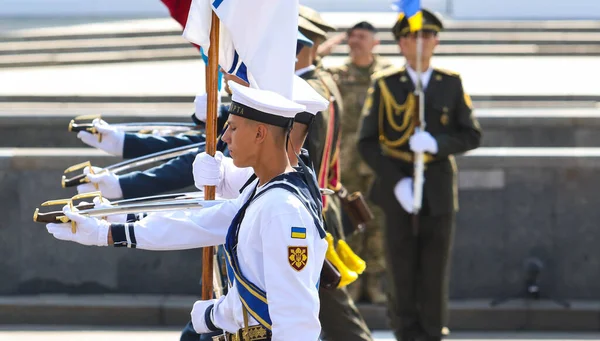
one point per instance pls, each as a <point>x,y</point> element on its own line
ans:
<point>52,217</point>
<point>419,160</point>
<point>137,126</point>
<point>165,206</point>
<point>128,164</point>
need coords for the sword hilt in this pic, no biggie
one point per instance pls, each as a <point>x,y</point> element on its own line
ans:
<point>78,179</point>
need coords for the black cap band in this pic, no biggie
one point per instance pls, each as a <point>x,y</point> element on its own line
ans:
<point>304,118</point>
<point>245,111</point>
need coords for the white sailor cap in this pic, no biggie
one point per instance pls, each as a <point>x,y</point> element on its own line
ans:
<point>304,94</point>
<point>262,105</point>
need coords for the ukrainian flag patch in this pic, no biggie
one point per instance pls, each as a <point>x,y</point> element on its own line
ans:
<point>299,232</point>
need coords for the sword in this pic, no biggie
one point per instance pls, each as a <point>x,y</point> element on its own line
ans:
<point>128,164</point>
<point>53,216</point>
<point>142,127</point>
<point>181,204</point>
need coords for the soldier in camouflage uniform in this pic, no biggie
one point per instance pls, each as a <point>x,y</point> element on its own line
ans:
<point>353,79</point>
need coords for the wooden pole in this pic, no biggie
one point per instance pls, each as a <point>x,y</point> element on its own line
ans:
<point>212,76</point>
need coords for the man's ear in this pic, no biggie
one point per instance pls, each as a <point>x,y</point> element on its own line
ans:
<point>261,132</point>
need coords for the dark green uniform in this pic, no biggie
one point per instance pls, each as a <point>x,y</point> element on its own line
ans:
<point>339,316</point>
<point>417,265</point>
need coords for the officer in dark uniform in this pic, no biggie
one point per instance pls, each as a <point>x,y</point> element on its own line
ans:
<point>417,260</point>
<point>339,316</point>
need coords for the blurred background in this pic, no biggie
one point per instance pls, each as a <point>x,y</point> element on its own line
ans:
<point>528,226</point>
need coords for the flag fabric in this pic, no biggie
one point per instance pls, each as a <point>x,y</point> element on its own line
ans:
<point>261,33</point>
<point>179,10</point>
<point>411,9</point>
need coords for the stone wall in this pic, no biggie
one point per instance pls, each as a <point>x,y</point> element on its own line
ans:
<point>515,203</point>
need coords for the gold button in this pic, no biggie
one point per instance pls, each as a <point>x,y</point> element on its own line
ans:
<point>403,79</point>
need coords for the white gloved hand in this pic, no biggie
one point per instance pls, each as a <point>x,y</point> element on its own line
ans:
<point>423,142</point>
<point>113,139</point>
<point>200,103</point>
<point>404,194</point>
<point>199,316</point>
<point>90,231</point>
<point>208,170</point>
<point>108,183</point>
<point>113,218</point>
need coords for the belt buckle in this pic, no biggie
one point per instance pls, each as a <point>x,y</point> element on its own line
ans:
<point>232,337</point>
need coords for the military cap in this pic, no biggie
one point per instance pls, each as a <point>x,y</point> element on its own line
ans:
<point>262,105</point>
<point>363,25</point>
<point>310,29</point>
<point>314,17</point>
<point>304,94</point>
<point>431,23</point>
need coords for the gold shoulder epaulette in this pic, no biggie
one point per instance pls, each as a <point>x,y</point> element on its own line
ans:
<point>447,72</point>
<point>388,71</point>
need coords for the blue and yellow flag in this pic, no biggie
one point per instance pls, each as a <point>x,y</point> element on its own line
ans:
<point>412,10</point>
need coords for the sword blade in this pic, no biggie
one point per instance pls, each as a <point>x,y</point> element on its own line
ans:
<point>151,158</point>
<point>165,206</point>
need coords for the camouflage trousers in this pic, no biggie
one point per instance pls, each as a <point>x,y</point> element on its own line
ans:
<point>368,245</point>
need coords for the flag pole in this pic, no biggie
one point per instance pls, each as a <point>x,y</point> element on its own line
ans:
<point>419,164</point>
<point>212,76</point>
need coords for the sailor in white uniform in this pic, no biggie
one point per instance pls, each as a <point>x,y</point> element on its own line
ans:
<point>229,180</point>
<point>274,242</point>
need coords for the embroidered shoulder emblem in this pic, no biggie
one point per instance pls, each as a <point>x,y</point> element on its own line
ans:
<point>299,232</point>
<point>298,257</point>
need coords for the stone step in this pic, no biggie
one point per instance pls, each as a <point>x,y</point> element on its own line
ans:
<point>383,21</point>
<point>184,51</point>
<point>503,127</point>
<point>165,41</point>
<point>173,311</point>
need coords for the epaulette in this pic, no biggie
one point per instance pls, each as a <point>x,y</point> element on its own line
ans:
<point>447,72</point>
<point>388,71</point>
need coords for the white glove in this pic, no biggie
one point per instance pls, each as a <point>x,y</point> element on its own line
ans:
<point>112,138</point>
<point>423,142</point>
<point>108,183</point>
<point>200,103</point>
<point>113,218</point>
<point>90,231</point>
<point>404,193</point>
<point>199,316</point>
<point>208,170</point>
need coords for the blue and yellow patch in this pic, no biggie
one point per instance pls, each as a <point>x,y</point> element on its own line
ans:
<point>299,232</point>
